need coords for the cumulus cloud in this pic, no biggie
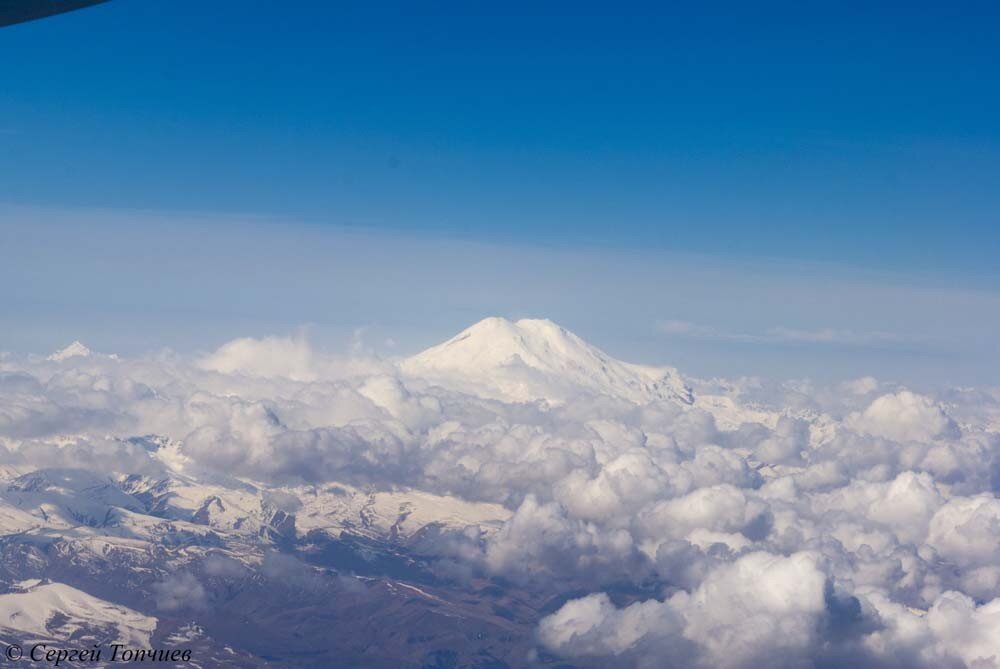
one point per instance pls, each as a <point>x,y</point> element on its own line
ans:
<point>593,626</point>
<point>761,609</point>
<point>290,357</point>
<point>904,416</point>
<point>764,524</point>
<point>271,356</point>
<point>965,531</point>
<point>180,591</point>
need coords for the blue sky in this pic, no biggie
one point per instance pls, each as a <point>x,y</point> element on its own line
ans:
<point>798,142</point>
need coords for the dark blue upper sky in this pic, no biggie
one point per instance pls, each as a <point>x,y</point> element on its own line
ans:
<point>824,131</point>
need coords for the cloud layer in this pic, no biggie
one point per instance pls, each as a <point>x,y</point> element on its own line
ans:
<point>764,525</point>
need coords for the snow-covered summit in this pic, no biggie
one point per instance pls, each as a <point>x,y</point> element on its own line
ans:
<point>74,350</point>
<point>537,359</point>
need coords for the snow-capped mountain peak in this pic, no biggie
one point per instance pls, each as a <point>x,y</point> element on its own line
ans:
<point>74,350</point>
<point>538,359</point>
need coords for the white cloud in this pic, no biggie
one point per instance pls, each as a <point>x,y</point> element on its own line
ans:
<point>765,524</point>
<point>180,591</point>
<point>904,416</point>
<point>762,609</point>
<point>285,357</point>
<point>965,531</point>
<point>271,356</point>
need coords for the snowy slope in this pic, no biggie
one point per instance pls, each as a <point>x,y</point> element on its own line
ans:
<point>55,610</point>
<point>536,359</point>
<point>242,508</point>
<point>395,514</point>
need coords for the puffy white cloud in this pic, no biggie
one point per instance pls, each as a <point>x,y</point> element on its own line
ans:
<point>785,443</point>
<point>271,356</point>
<point>966,531</point>
<point>905,505</point>
<point>593,625</point>
<point>953,632</point>
<point>289,357</point>
<point>904,416</point>
<point>541,542</point>
<point>762,609</point>
<point>719,508</point>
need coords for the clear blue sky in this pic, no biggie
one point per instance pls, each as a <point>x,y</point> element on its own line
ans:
<point>837,131</point>
<point>867,137</point>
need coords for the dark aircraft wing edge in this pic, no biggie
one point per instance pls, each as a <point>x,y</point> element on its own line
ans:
<point>18,11</point>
